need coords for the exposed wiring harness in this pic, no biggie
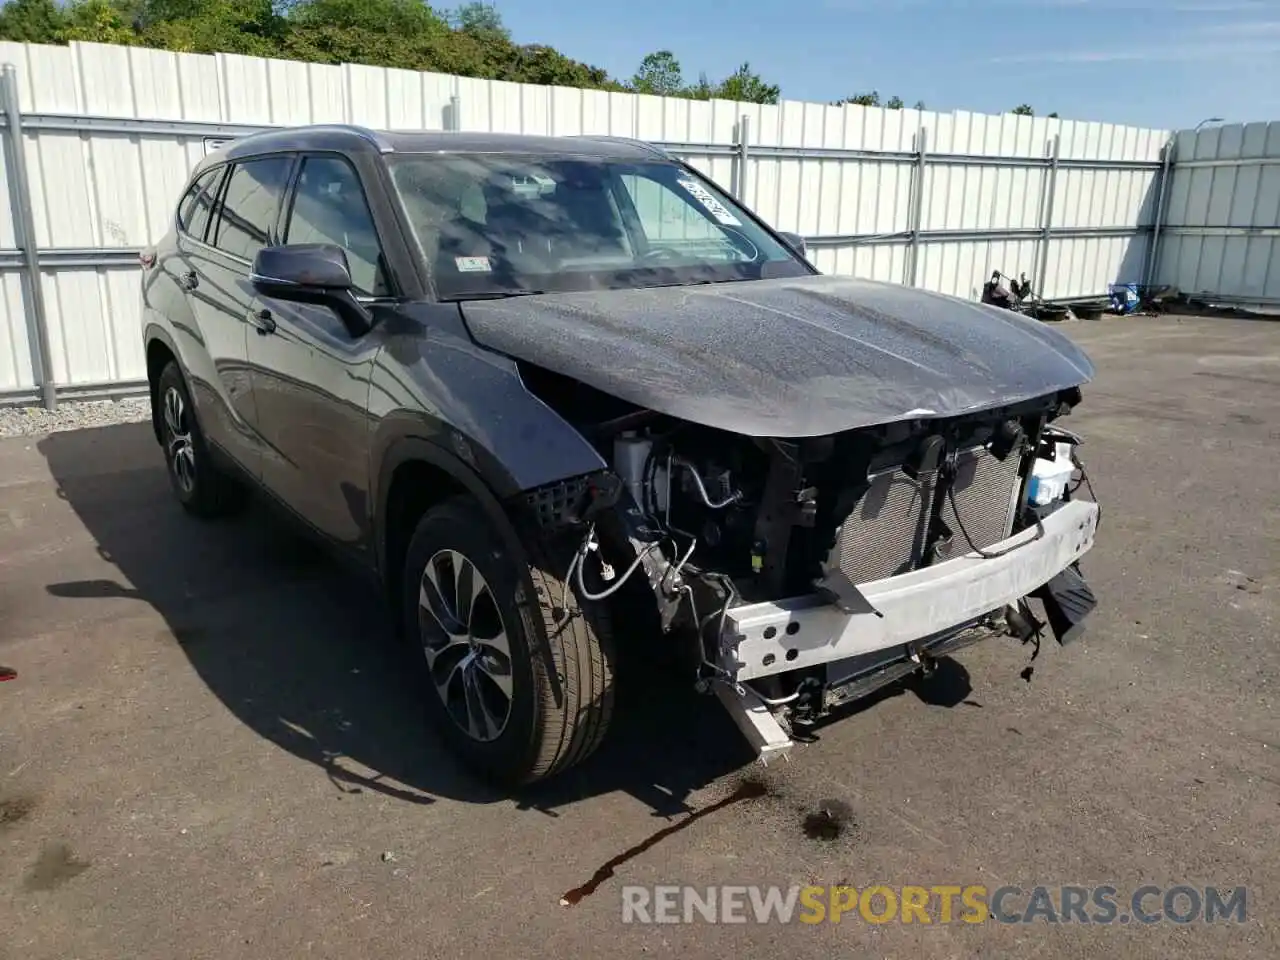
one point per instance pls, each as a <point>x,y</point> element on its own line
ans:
<point>574,573</point>
<point>670,576</point>
<point>1084,480</point>
<point>731,499</point>
<point>987,554</point>
<point>1088,485</point>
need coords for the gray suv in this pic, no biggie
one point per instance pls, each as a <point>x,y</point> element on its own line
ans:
<point>560,395</point>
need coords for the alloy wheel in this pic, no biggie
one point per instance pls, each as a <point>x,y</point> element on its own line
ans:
<point>465,644</point>
<point>178,443</point>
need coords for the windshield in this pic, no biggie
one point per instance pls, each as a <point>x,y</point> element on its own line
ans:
<point>502,225</point>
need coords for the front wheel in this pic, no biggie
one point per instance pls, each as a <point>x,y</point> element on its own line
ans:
<point>517,693</point>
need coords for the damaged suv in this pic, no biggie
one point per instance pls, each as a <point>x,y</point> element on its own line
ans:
<point>548,388</point>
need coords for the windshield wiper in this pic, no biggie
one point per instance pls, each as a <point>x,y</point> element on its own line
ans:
<point>692,283</point>
<point>492,294</point>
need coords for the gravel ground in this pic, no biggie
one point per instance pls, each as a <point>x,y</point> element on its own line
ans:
<point>29,421</point>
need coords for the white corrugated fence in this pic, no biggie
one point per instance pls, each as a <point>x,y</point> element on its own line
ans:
<point>108,135</point>
<point>1220,233</point>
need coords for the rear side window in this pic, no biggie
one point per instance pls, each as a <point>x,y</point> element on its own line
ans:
<point>193,211</point>
<point>249,204</point>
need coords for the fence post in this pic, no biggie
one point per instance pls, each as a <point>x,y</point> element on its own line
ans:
<point>1046,228</point>
<point>917,203</point>
<point>1162,192</point>
<point>455,113</point>
<point>24,228</point>
<point>744,138</point>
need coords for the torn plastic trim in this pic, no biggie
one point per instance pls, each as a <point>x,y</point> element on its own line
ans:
<point>572,502</point>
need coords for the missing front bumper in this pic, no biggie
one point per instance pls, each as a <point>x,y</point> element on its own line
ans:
<point>762,639</point>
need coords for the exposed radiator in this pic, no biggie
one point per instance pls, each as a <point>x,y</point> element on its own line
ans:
<point>885,533</point>
<point>986,491</point>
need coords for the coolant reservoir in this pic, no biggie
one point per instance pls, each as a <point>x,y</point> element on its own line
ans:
<point>1049,478</point>
<point>630,453</point>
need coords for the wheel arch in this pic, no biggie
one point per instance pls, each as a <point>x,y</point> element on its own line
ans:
<point>160,351</point>
<point>415,474</point>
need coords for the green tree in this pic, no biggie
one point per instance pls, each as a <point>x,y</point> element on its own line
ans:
<point>31,21</point>
<point>1023,110</point>
<point>872,99</point>
<point>702,90</point>
<point>659,74</point>
<point>534,63</point>
<point>480,19</point>
<point>747,86</point>
<point>98,21</point>
<point>469,41</point>
<point>394,20</point>
<point>250,27</point>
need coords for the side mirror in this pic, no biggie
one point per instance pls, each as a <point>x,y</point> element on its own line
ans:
<point>795,242</point>
<point>311,273</point>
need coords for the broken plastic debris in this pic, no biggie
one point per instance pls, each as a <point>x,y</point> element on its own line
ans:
<point>8,673</point>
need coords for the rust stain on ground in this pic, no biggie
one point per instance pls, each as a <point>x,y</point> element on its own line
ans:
<point>750,790</point>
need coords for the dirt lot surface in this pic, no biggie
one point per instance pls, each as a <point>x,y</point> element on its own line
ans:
<point>210,749</point>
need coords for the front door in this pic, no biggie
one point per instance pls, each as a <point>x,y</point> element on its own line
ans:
<point>310,374</point>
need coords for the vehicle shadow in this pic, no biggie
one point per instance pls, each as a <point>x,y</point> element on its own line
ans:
<point>301,649</point>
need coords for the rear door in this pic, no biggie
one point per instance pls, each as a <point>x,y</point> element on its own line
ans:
<point>212,341</point>
<point>311,375</point>
<point>243,221</point>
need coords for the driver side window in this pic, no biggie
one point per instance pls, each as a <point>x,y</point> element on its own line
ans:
<point>329,206</point>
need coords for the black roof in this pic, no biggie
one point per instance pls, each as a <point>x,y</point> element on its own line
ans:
<point>353,138</point>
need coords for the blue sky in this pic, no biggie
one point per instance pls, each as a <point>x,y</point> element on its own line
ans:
<point>1158,63</point>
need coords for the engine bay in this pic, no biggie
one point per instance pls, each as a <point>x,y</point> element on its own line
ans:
<point>717,521</point>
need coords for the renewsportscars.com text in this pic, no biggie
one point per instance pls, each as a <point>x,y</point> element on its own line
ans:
<point>941,904</point>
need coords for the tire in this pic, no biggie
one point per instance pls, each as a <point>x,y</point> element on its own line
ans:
<point>554,718</point>
<point>200,486</point>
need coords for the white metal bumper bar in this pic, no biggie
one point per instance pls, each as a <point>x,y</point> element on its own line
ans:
<point>766,638</point>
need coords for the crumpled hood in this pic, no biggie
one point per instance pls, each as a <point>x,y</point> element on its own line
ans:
<point>797,357</point>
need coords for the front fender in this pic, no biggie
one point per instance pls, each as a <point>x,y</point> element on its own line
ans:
<point>408,448</point>
<point>432,383</point>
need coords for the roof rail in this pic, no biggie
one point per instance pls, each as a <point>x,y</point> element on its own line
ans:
<point>372,137</point>
<point>365,133</point>
<point>645,145</point>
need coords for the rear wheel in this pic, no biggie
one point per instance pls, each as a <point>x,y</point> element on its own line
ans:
<point>517,694</point>
<point>200,486</point>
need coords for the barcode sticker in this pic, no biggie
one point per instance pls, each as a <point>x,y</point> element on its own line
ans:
<point>714,206</point>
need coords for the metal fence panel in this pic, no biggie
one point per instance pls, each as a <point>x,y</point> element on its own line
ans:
<point>110,133</point>
<point>1220,236</point>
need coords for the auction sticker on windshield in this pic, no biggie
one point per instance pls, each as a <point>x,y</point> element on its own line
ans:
<point>714,206</point>
<point>472,264</point>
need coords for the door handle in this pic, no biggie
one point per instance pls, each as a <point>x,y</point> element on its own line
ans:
<point>189,280</point>
<point>262,321</point>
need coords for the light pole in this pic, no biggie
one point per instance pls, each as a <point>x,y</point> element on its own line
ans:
<point>1208,120</point>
